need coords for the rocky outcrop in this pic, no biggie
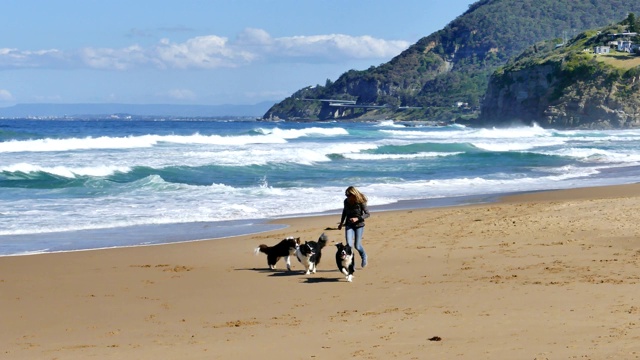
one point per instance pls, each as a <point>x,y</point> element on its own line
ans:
<point>595,110</point>
<point>518,96</point>
<point>590,95</point>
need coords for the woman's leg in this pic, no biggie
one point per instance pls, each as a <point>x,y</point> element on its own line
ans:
<point>358,245</point>
<point>349,234</point>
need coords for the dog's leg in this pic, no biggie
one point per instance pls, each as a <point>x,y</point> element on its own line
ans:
<point>288,260</point>
<point>271,261</point>
<point>344,271</point>
<point>349,278</point>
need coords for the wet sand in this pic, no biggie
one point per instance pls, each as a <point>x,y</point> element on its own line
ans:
<point>547,275</point>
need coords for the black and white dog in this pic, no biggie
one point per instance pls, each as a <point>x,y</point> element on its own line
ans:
<point>310,252</point>
<point>344,260</point>
<point>283,249</point>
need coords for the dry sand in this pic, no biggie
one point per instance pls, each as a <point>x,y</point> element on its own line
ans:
<point>551,275</point>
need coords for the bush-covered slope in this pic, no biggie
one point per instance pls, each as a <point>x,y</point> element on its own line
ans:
<point>453,65</point>
<point>569,86</point>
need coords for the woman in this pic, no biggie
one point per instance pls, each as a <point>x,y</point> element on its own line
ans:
<point>353,215</point>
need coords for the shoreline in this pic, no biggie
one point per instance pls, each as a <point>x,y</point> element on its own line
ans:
<point>164,234</point>
<point>160,234</point>
<point>539,275</point>
<point>142,235</point>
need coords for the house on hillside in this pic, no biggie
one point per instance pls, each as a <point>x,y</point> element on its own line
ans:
<point>624,35</point>
<point>602,49</point>
<point>625,45</point>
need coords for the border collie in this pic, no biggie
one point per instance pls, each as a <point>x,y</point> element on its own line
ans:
<point>344,260</point>
<point>310,252</point>
<point>284,249</point>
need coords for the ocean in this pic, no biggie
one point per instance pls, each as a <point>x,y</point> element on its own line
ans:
<point>69,185</point>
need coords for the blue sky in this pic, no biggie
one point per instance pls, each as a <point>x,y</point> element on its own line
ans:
<point>196,51</point>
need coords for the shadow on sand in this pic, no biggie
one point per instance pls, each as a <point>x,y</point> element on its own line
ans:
<point>284,273</point>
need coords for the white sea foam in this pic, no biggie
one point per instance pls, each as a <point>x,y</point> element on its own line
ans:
<point>297,133</point>
<point>365,156</point>
<point>512,132</point>
<point>414,134</point>
<point>72,144</point>
<point>389,123</point>
<point>596,155</point>
<point>273,136</point>
<point>514,142</point>
<point>69,172</point>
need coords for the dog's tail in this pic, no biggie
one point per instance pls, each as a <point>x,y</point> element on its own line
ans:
<point>260,248</point>
<point>322,241</point>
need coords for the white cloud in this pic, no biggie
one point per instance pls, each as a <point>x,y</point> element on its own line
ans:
<point>211,51</point>
<point>200,52</point>
<point>181,94</point>
<point>252,37</point>
<point>338,45</point>
<point>116,59</point>
<point>14,58</point>
<point>333,46</point>
<point>5,96</point>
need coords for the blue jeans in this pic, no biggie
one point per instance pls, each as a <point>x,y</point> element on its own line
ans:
<point>351,233</point>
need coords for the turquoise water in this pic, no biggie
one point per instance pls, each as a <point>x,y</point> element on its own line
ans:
<point>73,185</point>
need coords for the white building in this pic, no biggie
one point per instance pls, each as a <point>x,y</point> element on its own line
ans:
<point>625,45</point>
<point>602,49</point>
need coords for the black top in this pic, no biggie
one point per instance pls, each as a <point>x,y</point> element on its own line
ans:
<point>357,210</point>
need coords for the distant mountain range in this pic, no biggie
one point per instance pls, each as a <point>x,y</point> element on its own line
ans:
<point>119,110</point>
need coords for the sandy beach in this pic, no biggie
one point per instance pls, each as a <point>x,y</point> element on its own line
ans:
<point>549,275</point>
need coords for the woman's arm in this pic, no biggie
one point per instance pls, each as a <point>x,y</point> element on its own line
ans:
<point>343,217</point>
<point>365,212</point>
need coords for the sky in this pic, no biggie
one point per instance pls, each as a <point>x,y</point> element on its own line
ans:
<point>204,52</point>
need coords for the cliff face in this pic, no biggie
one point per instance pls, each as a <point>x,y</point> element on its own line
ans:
<point>531,96</point>
<point>595,105</point>
<point>518,96</point>
<point>566,88</point>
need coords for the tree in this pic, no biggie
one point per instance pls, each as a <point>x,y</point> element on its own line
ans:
<point>631,21</point>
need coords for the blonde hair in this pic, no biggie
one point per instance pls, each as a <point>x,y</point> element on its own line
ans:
<point>359,197</point>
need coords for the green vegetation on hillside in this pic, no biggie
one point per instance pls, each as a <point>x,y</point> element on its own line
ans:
<point>577,55</point>
<point>587,81</point>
